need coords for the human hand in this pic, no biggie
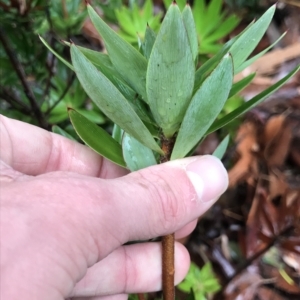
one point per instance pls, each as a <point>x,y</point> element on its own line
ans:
<point>66,213</point>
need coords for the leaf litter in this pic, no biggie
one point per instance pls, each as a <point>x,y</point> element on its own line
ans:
<point>259,215</point>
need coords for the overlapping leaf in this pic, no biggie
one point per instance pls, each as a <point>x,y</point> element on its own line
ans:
<point>97,138</point>
<point>130,63</point>
<point>189,23</point>
<point>250,61</point>
<point>110,100</point>
<point>222,147</point>
<point>147,45</point>
<point>240,85</point>
<point>136,155</point>
<point>205,106</point>
<point>170,74</point>
<point>247,42</point>
<point>102,61</point>
<point>58,130</point>
<point>56,54</point>
<point>251,103</point>
<point>210,64</point>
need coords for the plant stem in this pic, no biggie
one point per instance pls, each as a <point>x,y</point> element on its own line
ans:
<point>141,296</point>
<point>22,76</point>
<point>168,268</point>
<point>65,91</point>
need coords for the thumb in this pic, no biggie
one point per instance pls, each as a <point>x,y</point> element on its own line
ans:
<point>162,199</point>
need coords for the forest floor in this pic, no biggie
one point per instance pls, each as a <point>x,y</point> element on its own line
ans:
<point>252,234</point>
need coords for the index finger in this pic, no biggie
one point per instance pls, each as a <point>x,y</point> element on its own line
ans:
<point>33,151</point>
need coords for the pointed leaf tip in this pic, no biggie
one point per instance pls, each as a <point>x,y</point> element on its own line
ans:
<point>128,61</point>
<point>204,107</point>
<point>169,92</point>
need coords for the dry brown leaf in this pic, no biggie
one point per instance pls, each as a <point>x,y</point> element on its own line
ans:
<point>277,140</point>
<point>291,197</point>
<point>295,153</point>
<point>268,63</point>
<point>253,229</point>
<point>292,2</point>
<point>246,147</point>
<point>292,260</point>
<point>281,283</point>
<point>244,286</point>
<point>277,186</point>
<point>264,293</point>
<point>209,144</point>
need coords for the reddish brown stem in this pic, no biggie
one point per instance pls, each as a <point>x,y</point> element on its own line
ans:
<point>168,268</point>
<point>141,296</point>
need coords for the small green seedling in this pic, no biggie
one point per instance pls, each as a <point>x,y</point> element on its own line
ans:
<point>162,104</point>
<point>133,21</point>
<point>202,282</point>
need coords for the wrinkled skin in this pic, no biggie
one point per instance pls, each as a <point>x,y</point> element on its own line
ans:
<point>66,214</point>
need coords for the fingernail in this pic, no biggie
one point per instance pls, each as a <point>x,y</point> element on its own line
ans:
<point>208,176</point>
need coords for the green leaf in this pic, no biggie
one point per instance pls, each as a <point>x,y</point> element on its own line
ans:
<point>212,17</point>
<point>93,116</point>
<point>97,138</point>
<point>99,59</point>
<point>221,149</point>
<point>117,133</point>
<point>108,98</point>
<point>170,74</point>
<point>209,48</point>
<point>251,103</point>
<point>247,41</point>
<point>129,62</point>
<point>199,11</point>
<point>137,17</point>
<point>104,64</point>
<point>58,117</point>
<point>148,10</point>
<point>209,65</point>
<point>257,56</point>
<point>191,296</point>
<point>190,26</point>
<point>110,72</point>
<point>221,31</point>
<point>211,285</point>
<point>125,20</point>
<point>185,286</point>
<point>240,85</point>
<point>148,43</point>
<point>155,22</point>
<point>181,3</point>
<point>58,130</point>
<point>56,54</point>
<point>205,106</point>
<point>136,155</point>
